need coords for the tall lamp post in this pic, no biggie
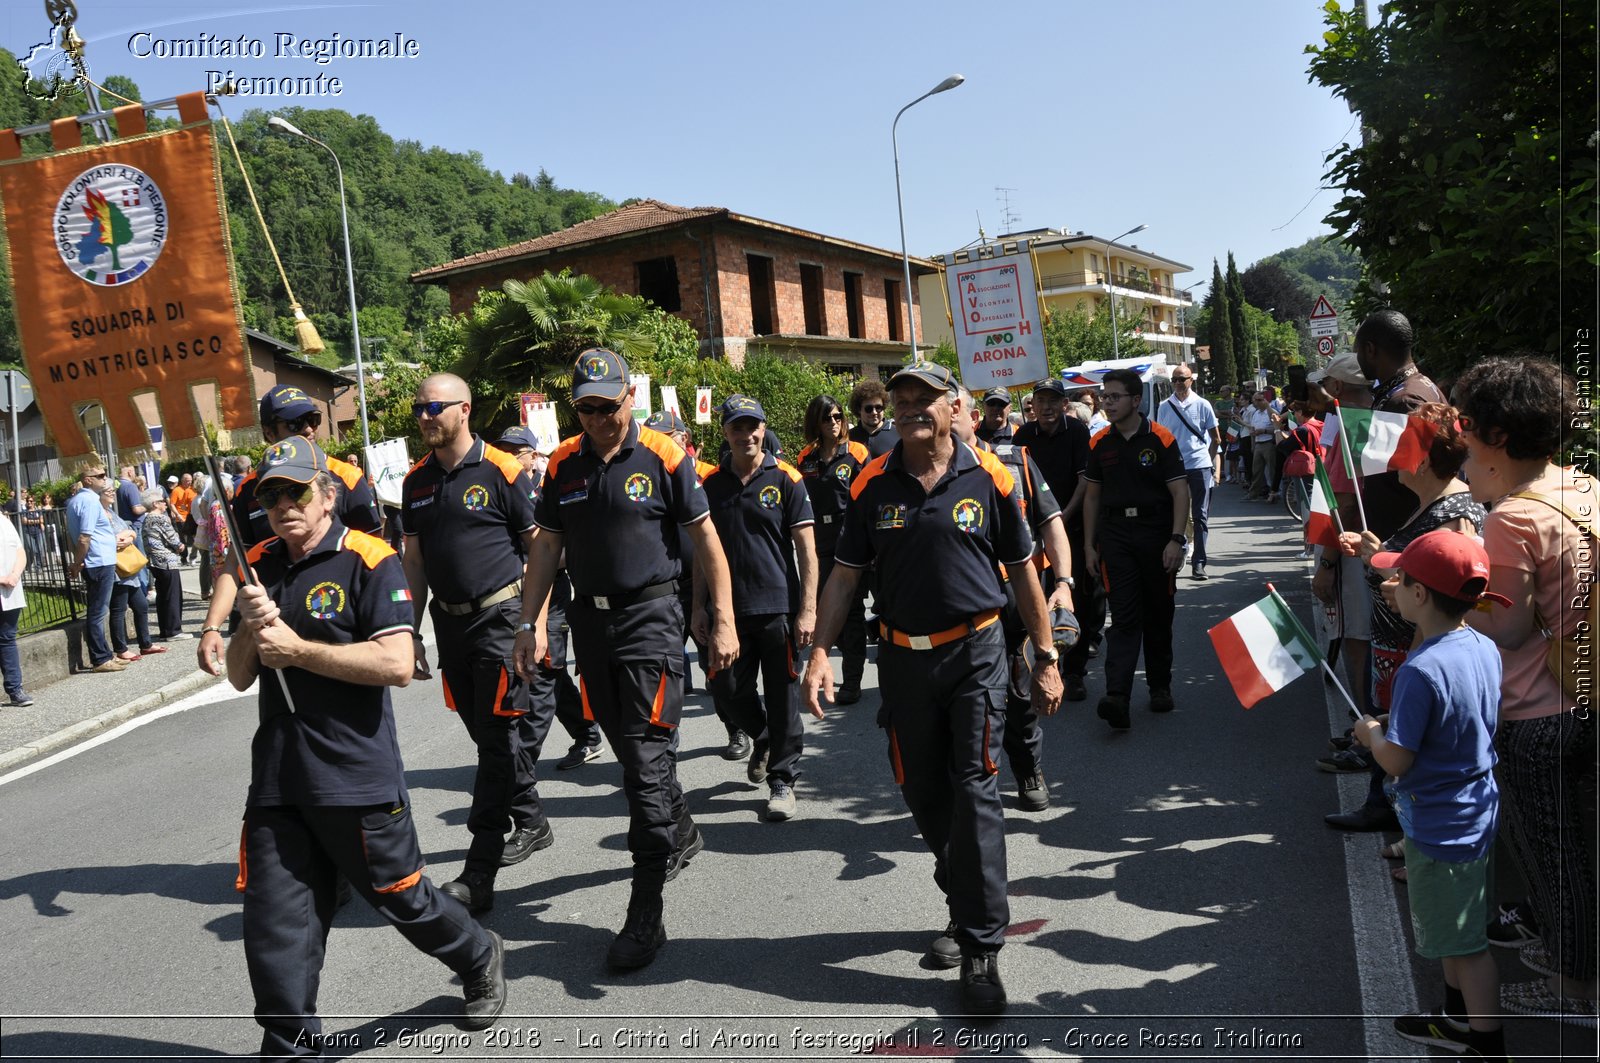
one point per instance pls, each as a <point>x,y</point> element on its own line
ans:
<point>1111,287</point>
<point>1255,341</point>
<point>894,137</point>
<point>283,126</point>
<point>1182,335</point>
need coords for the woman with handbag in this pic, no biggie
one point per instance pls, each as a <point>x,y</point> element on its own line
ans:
<point>128,591</point>
<point>1514,412</point>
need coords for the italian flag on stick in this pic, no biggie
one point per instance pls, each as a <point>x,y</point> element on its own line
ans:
<point>1322,523</point>
<point>1263,648</point>
<point>1378,441</point>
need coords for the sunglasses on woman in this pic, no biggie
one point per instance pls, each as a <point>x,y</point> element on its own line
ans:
<point>298,494</point>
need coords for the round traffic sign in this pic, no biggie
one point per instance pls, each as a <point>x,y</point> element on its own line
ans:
<point>1325,345</point>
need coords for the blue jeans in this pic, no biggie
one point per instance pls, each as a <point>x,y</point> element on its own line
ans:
<point>10,659</point>
<point>1200,510</point>
<point>97,584</point>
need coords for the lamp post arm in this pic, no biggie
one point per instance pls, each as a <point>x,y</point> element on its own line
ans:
<point>899,206</point>
<point>350,281</point>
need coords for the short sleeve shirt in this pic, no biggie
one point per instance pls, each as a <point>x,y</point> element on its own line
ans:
<point>1134,472</point>
<point>754,522</point>
<point>86,516</point>
<point>354,506</point>
<point>620,518</point>
<point>877,443</point>
<point>1061,456</point>
<point>470,521</point>
<point>1195,449</point>
<point>10,542</point>
<point>127,497</point>
<point>1039,502</point>
<point>338,747</point>
<point>828,483</point>
<point>936,552</point>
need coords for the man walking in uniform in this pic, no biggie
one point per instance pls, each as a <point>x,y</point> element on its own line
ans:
<point>1135,506</point>
<point>996,426</point>
<point>937,516</point>
<point>614,497</point>
<point>467,512</point>
<point>327,788</point>
<point>1193,423</point>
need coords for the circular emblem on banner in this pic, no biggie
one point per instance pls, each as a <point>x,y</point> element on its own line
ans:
<point>968,515</point>
<point>638,487</point>
<point>1147,457</point>
<point>325,601</point>
<point>770,497</point>
<point>476,498</point>
<point>110,225</point>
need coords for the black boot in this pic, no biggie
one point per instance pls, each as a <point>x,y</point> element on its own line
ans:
<point>475,889</point>
<point>641,936</point>
<point>981,990</point>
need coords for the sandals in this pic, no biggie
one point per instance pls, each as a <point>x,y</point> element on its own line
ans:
<point>1393,851</point>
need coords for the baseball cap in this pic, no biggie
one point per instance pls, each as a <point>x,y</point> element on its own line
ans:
<point>997,395</point>
<point>285,402</point>
<point>1343,368</point>
<point>296,459</point>
<point>599,373</point>
<point>172,479</point>
<point>518,436</point>
<point>735,407</point>
<point>1445,561</point>
<point>665,421</point>
<point>930,373</point>
<point>1054,385</point>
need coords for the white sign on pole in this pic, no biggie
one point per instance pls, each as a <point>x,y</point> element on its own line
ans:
<point>542,422</point>
<point>702,405</point>
<point>1324,318</point>
<point>641,397</point>
<point>387,465</point>
<point>999,331</point>
<point>669,400</point>
<point>1325,346</point>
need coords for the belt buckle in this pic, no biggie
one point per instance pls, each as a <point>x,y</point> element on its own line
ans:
<point>827,518</point>
<point>920,642</point>
<point>1131,511</point>
<point>602,602</point>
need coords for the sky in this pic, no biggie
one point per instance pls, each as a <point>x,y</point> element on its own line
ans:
<point>1194,118</point>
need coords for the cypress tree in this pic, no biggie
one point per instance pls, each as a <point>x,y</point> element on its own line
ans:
<point>1243,357</point>
<point>1223,369</point>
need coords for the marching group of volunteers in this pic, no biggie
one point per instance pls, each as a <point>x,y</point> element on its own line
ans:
<point>992,546</point>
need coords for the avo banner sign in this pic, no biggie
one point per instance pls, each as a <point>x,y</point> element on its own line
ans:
<point>994,310</point>
<point>124,282</point>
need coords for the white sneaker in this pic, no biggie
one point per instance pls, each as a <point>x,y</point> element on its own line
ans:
<point>180,636</point>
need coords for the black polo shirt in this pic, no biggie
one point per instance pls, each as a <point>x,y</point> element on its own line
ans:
<point>936,552</point>
<point>754,522</point>
<point>1134,472</point>
<point>828,483</point>
<point>1038,500</point>
<point>1061,457</point>
<point>877,443</point>
<point>620,519</point>
<point>355,507</point>
<point>470,521</point>
<point>1000,435</point>
<point>338,747</point>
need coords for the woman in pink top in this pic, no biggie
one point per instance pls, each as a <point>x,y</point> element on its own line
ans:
<point>1515,413</point>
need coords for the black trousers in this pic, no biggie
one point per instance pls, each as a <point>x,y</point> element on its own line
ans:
<point>168,583</point>
<point>1089,604</point>
<point>944,710</point>
<point>853,636</point>
<point>552,684</point>
<point>766,648</point>
<point>1024,738</point>
<point>289,859</point>
<point>482,687</point>
<point>629,669</point>
<point>1142,598</point>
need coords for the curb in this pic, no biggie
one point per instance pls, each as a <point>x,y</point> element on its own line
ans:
<point>178,688</point>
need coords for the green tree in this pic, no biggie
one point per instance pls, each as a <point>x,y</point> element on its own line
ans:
<point>1243,357</point>
<point>1074,336</point>
<point>1471,196</point>
<point>1216,330</point>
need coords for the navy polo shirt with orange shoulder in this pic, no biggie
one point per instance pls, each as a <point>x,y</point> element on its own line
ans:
<point>355,506</point>
<point>338,747</point>
<point>470,519</point>
<point>1133,473</point>
<point>619,519</point>
<point>754,521</point>
<point>935,551</point>
<point>828,483</point>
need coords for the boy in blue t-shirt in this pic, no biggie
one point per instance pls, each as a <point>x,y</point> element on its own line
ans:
<point>1440,747</point>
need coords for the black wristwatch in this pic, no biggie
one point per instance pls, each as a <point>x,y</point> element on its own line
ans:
<point>1181,540</point>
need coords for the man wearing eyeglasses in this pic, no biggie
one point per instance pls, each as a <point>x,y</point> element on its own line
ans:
<point>95,559</point>
<point>1193,423</point>
<point>1135,506</point>
<point>615,497</point>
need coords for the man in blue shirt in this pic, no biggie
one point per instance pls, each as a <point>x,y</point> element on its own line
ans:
<point>1193,423</point>
<point>96,559</point>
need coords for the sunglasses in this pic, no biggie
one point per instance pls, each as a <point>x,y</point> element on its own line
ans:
<point>1181,379</point>
<point>298,494</point>
<point>433,409</point>
<point>835,416</point>
<point>299,424</point>
<point>597,409</point>
<point>872,409</point>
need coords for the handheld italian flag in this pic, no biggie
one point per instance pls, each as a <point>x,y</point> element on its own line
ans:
<point>1322,523</point>
<point>1263,648</point>
<point>1377,441</point>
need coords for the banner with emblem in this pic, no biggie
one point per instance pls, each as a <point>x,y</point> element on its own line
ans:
<point>125,289</point>
<point>387,465</point>
<point>702,405</point>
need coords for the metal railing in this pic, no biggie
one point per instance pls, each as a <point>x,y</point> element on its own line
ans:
<point>53,596</point>
<point>1085,278</point>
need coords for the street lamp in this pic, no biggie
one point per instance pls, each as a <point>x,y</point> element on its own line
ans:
<point>894,137</point>
<point>1111,287</point>
<point>1255,341</point>
<point>349,269</point>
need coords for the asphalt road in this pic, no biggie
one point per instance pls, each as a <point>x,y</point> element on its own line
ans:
<point>1180,897</point>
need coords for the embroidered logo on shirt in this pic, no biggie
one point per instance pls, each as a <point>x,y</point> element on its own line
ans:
<point>842,472</point>
<point>476,498</point>
<point>638,487</point>
<point>769,497</point>
<point>891,515</point>
<point>325,601</point>
<point>968,515</point>
<point>1147,457</point>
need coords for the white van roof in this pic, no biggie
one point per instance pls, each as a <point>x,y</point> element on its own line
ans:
<point>1091,374</point>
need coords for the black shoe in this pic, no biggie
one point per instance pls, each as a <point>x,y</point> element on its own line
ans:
<point>1513,926</point>
<point>1433,1028</point>
<point>738,746</point>
<point>526,841</point>
<point>848,694</point>
<point>485,991</point>
<point>473,889</point>
<point>1094,648</point>
<point>1198,571</point>
<point>640,938</point>
<point>1365,818</point>
<point>1032,795</point>
<point>1075,688</point>
<point>578,756</point>
<point>689,846</point>
<point>981,991</point>
<point>943,952</point>
<point>1161,700</point>
<point>1114,710</point>
<point>756,772</point>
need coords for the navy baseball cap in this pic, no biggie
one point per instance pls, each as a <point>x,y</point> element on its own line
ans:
<point>1052,384</point>
<point>599,373</point>
<point>516,437</point>
<point>285,402</point>
<point>665,421</point>
<point>736,406</point>
<point>295,458</point>
<point>929,373</point>
<point>997,395</point>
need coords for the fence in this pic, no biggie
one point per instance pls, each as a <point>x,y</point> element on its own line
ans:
<point>54,597</point>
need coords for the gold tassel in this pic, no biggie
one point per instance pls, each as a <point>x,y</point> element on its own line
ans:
<point>305,332</point>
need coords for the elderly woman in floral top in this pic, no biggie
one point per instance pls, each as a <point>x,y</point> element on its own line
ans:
<point>162,546</point>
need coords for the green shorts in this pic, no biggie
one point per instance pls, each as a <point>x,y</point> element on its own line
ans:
<point>1449,904</point>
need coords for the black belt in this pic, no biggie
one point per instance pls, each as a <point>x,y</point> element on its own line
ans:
<point>478,605</point>
<point>622,601</point>
<point>1133,512</point>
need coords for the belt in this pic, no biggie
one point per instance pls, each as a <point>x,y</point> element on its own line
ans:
<point>510,590</point>
<point>1262,439</point>
<point>1132,512</point>
<point>939,638</point>
<point>827,518</point>
<point>622,601</point>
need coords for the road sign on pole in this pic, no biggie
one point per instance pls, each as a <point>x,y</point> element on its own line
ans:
<point>1324,318</point>
<point>1325,346</point>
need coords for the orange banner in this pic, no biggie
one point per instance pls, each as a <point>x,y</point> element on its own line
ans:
<point>124,282</point>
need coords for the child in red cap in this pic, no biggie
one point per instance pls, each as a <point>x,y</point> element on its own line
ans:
<point>1439,745</point>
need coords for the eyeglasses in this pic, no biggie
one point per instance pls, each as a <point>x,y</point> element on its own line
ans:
<point>597,409</point>
<point>872,409</point>
<point>433,409</point>
<point>298,494</point>
<point>1113,396</point>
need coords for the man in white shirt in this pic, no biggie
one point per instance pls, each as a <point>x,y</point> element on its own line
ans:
<point>1193,422</point>
<point>1262,423</point>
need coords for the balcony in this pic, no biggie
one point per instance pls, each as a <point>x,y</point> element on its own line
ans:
<point>1093,279</point>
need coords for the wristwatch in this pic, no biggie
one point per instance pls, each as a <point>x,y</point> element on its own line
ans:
<point>525,627</point>
<point>1052,657</point>
<point>1181,540</point>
